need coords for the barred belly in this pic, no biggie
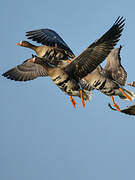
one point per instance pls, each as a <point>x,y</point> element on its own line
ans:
<point>67,85</point>
<point>105,87</point>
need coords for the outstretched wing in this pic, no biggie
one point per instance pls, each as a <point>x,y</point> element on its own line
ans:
<point>25,71</point>
<point>89,59</point>
<point>113,67</point>
<point>49,37</point>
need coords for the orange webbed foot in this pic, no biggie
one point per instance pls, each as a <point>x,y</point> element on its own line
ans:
<point>115,105</point>
<point>69,61</point>
<point>128,97</point>
<point>81,96</point>
<point>73,102</point>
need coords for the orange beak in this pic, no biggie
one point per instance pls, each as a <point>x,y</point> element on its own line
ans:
<point>18,44</point>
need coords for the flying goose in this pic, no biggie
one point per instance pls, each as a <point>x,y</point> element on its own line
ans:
<point>67,77</point>
<point>111,79</point>
<point>53,47</point>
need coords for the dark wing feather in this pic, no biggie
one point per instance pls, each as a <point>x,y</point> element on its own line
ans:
<point>49,37</point>
<point>113,69</point>
<point>129,110</point>
<point>87,61</point>
<point>25,72</point>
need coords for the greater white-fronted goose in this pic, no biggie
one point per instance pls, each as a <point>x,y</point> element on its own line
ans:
<point>67,77</point>
<point>109,80</point>
<point>53,47</point>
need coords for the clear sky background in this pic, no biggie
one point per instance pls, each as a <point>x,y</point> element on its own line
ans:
<point>41,135</point>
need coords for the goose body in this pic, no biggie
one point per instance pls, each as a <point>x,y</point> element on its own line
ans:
<point>111,79</point>
<point>67,76</point>
<point>53,48</point>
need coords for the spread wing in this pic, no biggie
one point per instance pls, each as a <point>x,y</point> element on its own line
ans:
<point>114,69</point>
<point>49,37</point>
<point>25,71</point>
<point>89,59</point>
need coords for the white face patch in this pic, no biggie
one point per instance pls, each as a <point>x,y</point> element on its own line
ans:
<point>34,59</point>
<point>20,42</point>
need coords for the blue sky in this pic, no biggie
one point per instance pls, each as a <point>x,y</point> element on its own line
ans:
<point>41,135</point>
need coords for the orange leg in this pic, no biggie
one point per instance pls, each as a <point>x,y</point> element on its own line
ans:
<point>69,61</point>
<point>129,98</point>
<point>115,105</point>
<point>72,101</point>
<point>81,96</point>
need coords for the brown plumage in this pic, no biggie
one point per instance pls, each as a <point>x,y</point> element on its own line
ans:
<point>113,68</point>
<point>53,47</point>
<point>43,51</point>
<point>109,80</point>
<point>49,38</point>
<point>67,77</point>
